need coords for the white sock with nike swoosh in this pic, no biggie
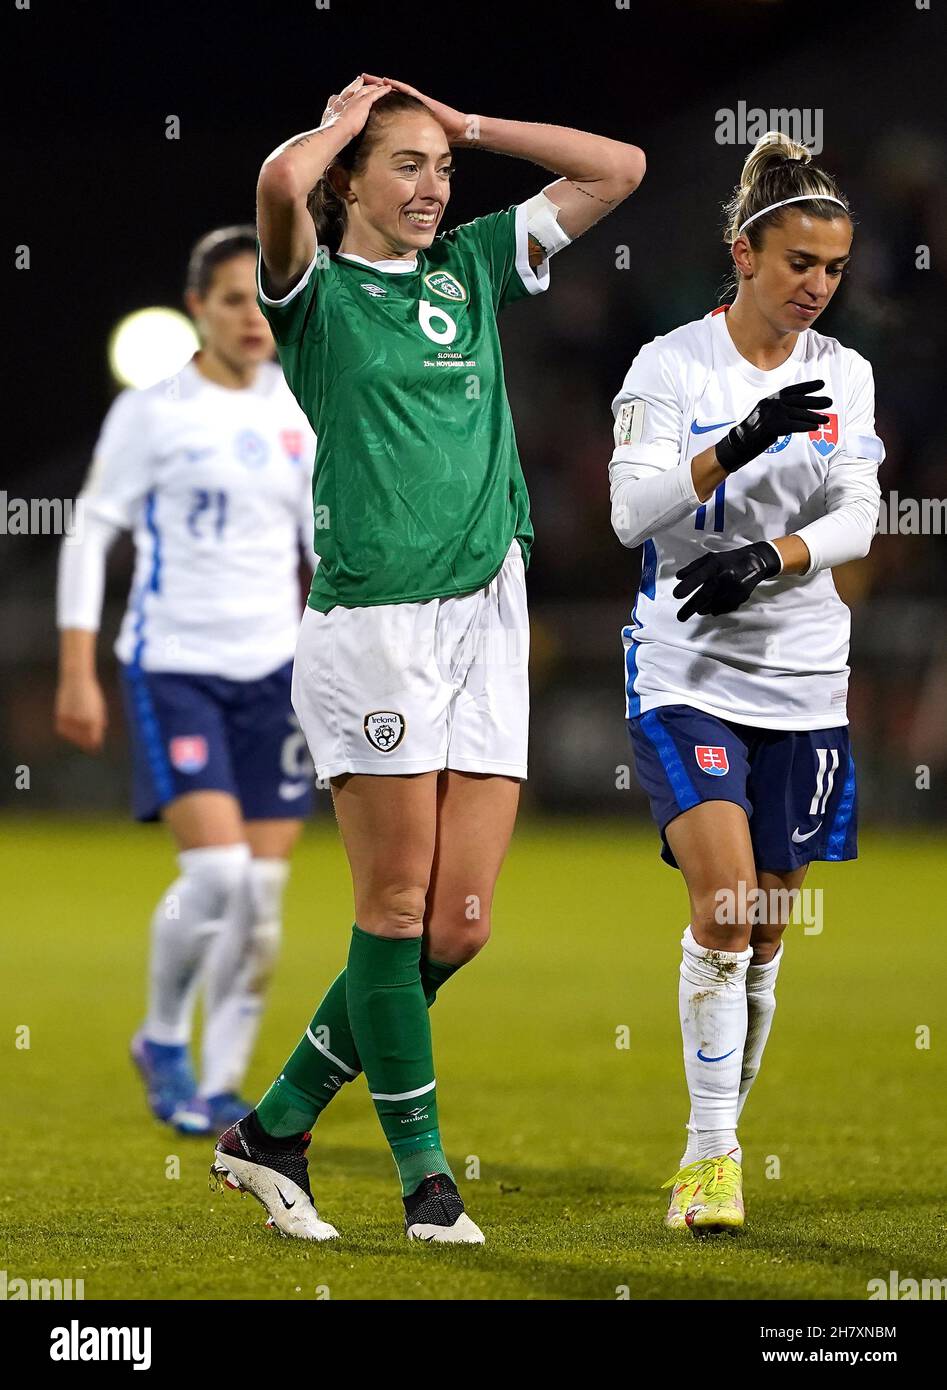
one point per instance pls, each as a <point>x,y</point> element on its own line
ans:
<point>713,1012</point>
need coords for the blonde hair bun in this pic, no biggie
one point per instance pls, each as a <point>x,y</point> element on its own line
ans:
<point>771,148</point>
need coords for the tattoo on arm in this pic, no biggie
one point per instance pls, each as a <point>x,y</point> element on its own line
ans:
<point>609,202</point>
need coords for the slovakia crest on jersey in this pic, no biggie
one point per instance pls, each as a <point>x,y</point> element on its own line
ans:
<point>712,759</point>
<point>251,448</point>
<point>188,752</point>
<point>825,438</point>
<point>292,442</point>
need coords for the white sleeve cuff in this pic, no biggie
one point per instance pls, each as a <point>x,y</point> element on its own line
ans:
<point>297,288</point>
<point>536,280</point>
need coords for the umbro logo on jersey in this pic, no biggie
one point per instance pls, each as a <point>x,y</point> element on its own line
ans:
<point>446,285</point>
<point>705,429</point>
<point>376,291</point>
<point>384,729</point>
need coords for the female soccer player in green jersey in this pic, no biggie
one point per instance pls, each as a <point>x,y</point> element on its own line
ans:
<point>410,678</point>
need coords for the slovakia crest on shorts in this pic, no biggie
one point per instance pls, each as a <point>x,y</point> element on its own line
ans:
<point>825,438</point>
<point>384,729</point>
<point>711,759</point>
<point>292,442</point>
<point>188,753</point>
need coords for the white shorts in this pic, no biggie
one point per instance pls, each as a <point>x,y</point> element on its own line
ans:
<point>416,687</point>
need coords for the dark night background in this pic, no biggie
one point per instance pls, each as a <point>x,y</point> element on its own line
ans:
<point>110,208</point>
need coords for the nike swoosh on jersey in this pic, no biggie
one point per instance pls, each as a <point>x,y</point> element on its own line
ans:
<point>721,1058</point>
<point>289,790</point>
<point>705,429</point>
<point>798,839</point>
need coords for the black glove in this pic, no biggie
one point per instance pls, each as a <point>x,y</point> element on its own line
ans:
<point>725,580</point>
<point>789,411</point>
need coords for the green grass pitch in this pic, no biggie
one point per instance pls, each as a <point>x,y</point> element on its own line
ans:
<point>571,1135</point>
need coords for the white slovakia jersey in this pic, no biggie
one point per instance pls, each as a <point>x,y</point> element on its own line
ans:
<point>216,485</point>
<point>780,660</point>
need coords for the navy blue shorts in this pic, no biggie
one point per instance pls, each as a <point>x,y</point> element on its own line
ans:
<point>204,733</point>
<point>797,787</point>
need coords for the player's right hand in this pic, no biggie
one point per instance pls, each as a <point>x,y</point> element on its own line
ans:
<point>81,715</point>
<point>789,411</point>
<point>348,110</point>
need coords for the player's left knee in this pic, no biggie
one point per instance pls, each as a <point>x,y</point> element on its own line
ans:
<point>765,948</point>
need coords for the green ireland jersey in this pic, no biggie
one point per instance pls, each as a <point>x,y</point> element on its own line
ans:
<point>417,488</point>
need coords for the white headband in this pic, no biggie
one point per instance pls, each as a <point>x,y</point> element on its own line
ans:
<point>800,198</point>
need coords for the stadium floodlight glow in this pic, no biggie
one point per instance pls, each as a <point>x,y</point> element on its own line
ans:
<point>149,345</point>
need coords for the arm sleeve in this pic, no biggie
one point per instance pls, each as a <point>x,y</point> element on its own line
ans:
<point>120,473</point>
<point>118,479</point>
<point>287,316</point>
<point>852,494</point>
<point>500,240</point>
<point>650,488</point>
<point>80,582</point>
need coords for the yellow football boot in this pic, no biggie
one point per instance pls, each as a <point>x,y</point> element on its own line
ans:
<point>710,1193</point>
<point>684,1184</point>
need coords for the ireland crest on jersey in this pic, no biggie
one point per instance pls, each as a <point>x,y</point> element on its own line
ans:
<point>443,283</point>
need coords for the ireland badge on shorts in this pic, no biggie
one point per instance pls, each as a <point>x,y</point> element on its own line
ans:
<point>384,730</point>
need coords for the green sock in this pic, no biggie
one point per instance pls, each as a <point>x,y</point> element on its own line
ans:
<point>388,1017</point>
<point>325,1058</point>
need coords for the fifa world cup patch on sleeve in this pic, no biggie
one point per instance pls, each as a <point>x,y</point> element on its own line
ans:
<point>629,423</point>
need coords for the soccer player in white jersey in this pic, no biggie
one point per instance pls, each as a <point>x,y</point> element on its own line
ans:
<point>211,471</point>
<point>411,670</point>
<point>746,461</point>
